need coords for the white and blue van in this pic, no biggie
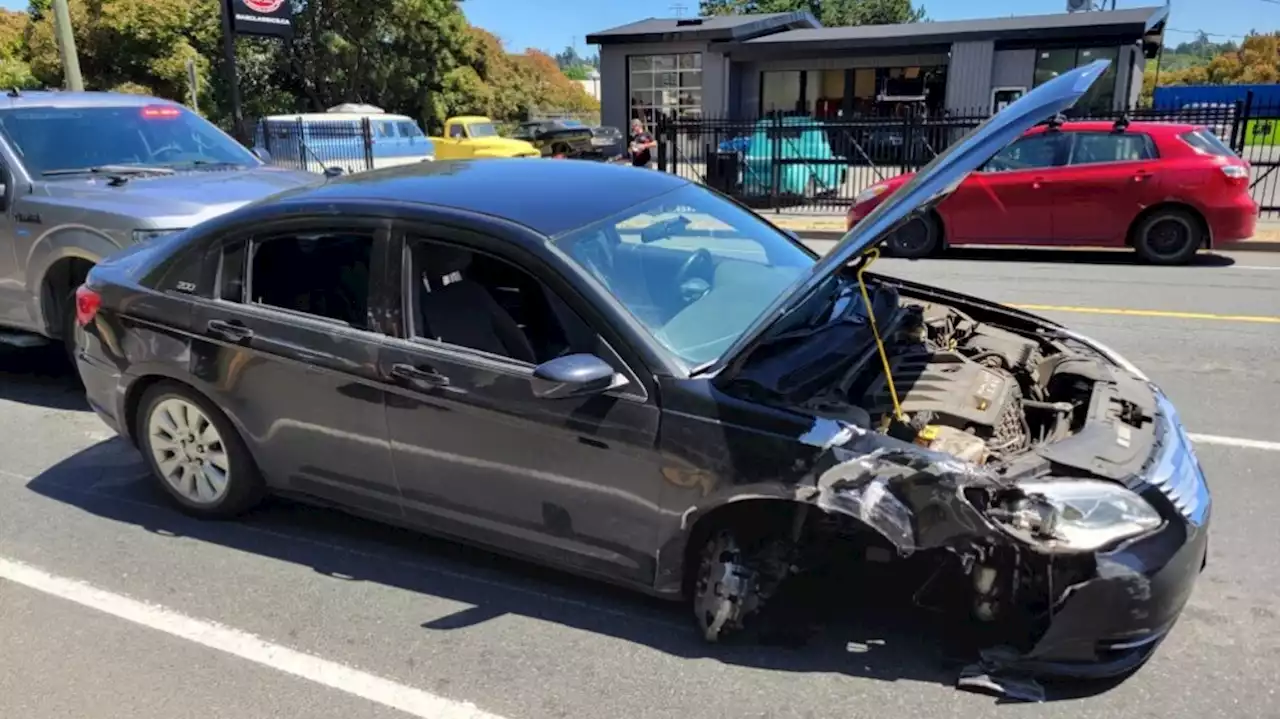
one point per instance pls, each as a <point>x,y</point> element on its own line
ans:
<point>352,138</point>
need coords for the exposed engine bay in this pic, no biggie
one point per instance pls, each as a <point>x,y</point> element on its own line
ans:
<point>992,431</point>
<point>990,396</point>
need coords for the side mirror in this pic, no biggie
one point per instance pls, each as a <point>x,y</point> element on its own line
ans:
<point>332,171</point>
<point>262,154</point>
<point>574,375</point>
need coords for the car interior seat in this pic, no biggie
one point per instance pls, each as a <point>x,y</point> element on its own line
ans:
<point>460,311</point>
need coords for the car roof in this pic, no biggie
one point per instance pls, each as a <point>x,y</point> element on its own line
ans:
<point>337,116</point>
<point>1153,128</point>
<point>548,196</point>
<point>77,100</point>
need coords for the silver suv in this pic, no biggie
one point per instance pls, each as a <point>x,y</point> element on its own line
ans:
<point>86,174</point>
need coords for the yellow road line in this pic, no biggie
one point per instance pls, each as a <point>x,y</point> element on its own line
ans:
<point>1152,313</point>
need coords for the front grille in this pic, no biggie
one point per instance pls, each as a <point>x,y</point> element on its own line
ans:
<point>1176,470</point>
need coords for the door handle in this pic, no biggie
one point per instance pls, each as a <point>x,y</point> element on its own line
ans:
<point>1037,183</point>
<point>232,331</point>
<point>1141,176</point>
<point>418,377</point>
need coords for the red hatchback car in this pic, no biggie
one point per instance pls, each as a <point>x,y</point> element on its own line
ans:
<point>1165,190</point>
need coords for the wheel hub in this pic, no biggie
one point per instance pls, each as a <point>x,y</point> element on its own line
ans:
<point>188,451</point>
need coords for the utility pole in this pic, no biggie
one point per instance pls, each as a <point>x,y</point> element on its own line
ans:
<point>67,46</point>
<point>233,77</point>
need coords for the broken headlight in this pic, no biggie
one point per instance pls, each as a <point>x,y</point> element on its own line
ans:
<point>1087,515</point>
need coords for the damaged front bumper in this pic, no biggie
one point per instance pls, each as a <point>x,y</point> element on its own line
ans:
<point>1110,624</point>
<point>1121,600</point>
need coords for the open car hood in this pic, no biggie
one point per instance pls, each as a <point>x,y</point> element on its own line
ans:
<point>929,186</point>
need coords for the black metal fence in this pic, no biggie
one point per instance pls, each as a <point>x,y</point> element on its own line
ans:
<point>802,164</point>
<point>316,144</point>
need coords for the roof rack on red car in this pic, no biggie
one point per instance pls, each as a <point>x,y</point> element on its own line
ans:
<point>1122,124</point>
<point>1054,122</point>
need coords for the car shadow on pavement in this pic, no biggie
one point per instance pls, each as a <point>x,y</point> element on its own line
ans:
<point>1064,256</point>
<point>41,377</point>
<point>842,627</point>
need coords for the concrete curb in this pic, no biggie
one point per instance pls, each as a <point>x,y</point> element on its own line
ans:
<point>1246,246</point>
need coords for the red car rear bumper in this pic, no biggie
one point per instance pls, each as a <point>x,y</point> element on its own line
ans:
<point>1234,220</point>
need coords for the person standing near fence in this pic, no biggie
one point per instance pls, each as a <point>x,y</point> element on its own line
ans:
<point>642,144</point>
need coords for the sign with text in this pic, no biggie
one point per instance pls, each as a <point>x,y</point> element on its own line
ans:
<point>261,17</point>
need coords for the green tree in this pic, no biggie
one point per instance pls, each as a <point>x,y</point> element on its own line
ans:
<point>15,71</point>
<point>1256,60</point>
<point>831,13</point>
<point>138,45</point>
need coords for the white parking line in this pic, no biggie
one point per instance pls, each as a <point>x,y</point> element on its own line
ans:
<point>1234,442</point>
<point>414,702</point>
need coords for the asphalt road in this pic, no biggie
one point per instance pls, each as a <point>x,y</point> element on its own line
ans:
<point>113,605</point>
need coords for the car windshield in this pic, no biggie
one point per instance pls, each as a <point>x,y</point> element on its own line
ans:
<point>692,267</point>
<point>50,139</point>
<point>482,129</point>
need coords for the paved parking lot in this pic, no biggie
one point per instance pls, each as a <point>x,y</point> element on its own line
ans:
<point>113,605</point>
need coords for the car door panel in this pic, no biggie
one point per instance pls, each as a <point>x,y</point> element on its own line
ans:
<point>1008,200</point>
<point>480,457</point>
<point>14,296</point>
<point>307,394</point>
<point>1002,208</point>
<point>1103,194</point>
<point>572,482</point>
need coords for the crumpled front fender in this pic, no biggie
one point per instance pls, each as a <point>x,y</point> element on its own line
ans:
<point>913,497</point>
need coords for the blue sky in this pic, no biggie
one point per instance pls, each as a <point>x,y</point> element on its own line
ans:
<point>554,24</point>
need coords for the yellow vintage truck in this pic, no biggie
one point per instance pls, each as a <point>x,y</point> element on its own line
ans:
<point>475,137</point>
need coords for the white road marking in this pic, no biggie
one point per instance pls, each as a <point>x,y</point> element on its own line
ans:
<point>414,702</point>
<point>1234,442</point>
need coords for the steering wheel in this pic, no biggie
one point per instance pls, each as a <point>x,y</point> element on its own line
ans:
<point>692,266</point>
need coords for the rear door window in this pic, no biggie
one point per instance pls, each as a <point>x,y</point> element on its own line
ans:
<point>323,275</point>
<point>1207,143</point>
<point>1097,147</point>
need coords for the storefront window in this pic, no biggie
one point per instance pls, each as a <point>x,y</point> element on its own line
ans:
<point>1054,62</point>
<point>665,86</point>
<point>780,91</point>
<point>1101,96</point>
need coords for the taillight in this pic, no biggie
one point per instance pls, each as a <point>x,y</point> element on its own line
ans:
<point>1235,172</point>
<point>88,302</point>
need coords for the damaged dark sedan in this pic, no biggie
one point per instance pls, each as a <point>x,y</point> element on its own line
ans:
<point>641,381</point>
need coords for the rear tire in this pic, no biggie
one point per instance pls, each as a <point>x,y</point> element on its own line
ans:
<point>1168,237</point>
<point>196,455</point>
<point>920,237</point>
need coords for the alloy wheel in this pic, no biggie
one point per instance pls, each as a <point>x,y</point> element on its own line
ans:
<point>188,451</point>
